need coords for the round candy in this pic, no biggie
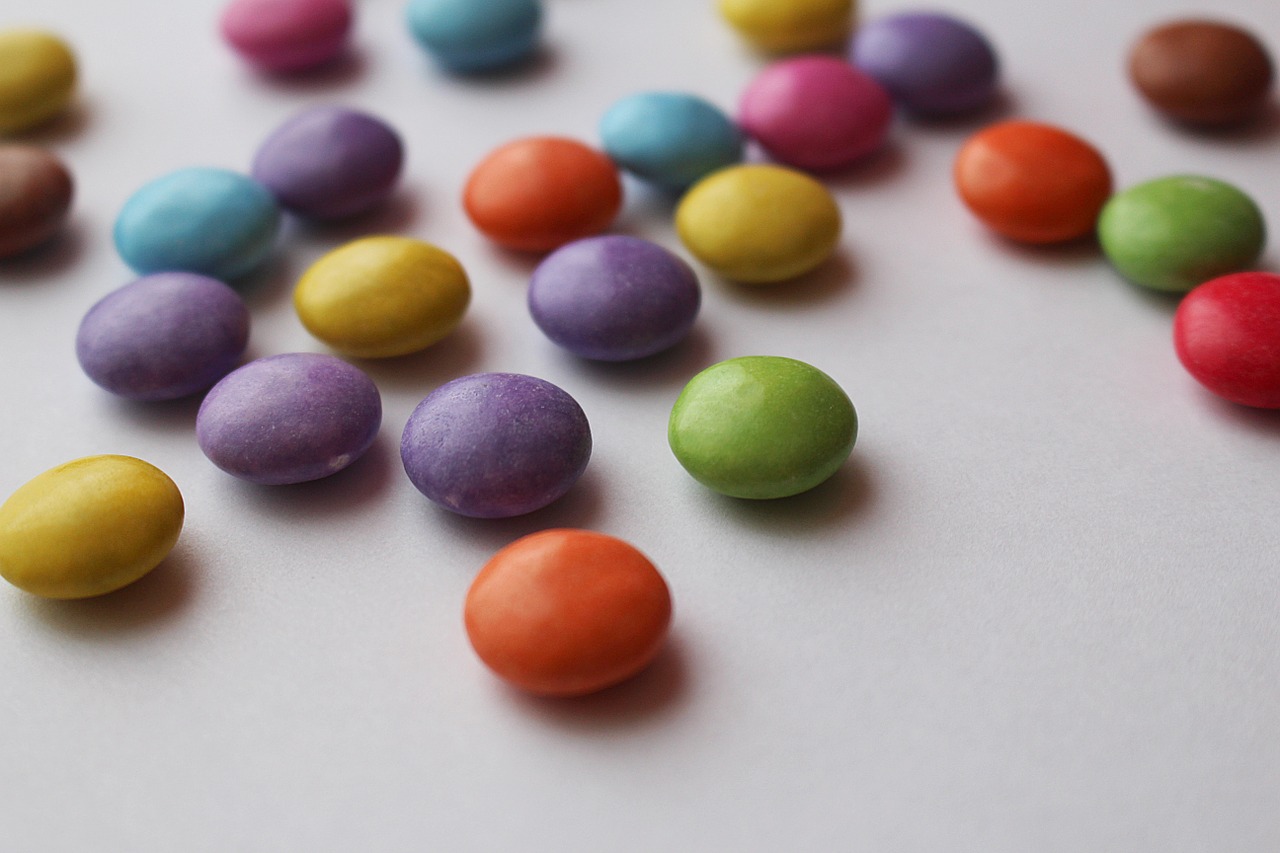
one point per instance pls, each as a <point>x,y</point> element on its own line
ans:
<point>1227,335</point>
<point>163,336</point>
<point>287,35</point>
<point>614,298</point>
<point>289,418</point>
<point>467,36</point>
<point>762,427</point>
<point>209,221</point>
<point>1176,232</point>
<point>379,297</point>
<point>790,26</point>
<point>89,527</point>
<point>567,612</point>
<point>1202,72</point>
<point>35,194</point>
<point>932,64</point>
<point>330,162</point>
<point>758,223</point>
<point>538,193</point>
<point>1032,182</point>
<point>669,138</point>
<point>37,78</point>
<point>494,445</point>
<point>816,112</point>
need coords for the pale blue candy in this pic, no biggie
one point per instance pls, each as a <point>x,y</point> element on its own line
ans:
<point>210,221</point>
<point>466,36</point>
<point>669,138</point>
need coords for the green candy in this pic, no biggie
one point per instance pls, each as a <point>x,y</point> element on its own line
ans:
<point>1175,233</point>
<point>762,427</point>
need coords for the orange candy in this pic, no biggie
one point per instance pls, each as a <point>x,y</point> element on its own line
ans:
<point>1032,182</point>
<point>539,193</point>
<point>567,612</point>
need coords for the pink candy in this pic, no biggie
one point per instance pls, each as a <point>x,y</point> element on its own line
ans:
<point>287,35</point>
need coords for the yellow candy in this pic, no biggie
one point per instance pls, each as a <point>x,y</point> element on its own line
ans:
<point>37,77</point>
<point>790,26</point>
<point>382,296</point>
<point>759,224</point>
<point>88,527</point>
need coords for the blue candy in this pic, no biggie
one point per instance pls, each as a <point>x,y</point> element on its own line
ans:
<point>209,221</point>
<point>467,36</point>
<point>669,138</point>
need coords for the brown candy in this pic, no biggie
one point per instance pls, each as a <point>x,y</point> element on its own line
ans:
<point>1202,72</point>
<point>35,193</point>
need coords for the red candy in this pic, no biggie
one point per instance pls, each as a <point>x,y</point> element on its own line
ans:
<point>1227,335</point>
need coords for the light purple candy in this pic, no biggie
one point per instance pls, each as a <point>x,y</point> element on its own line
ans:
<point>289,418</point>
<point>614,298</point>
<point>330,162</point>
<point>494,445</point>
<point>932,64</point>
<point>163,336</point>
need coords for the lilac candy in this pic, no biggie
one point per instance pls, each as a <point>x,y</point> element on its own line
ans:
<point>330,162</point>
<point>932,64</point>
<point>614,298</point>
<point>163,336</point>
<point>289,418</point>
<point>494,445</point>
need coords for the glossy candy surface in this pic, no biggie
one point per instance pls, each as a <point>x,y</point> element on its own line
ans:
<point>762,427</point>
<point>89,527</point>
<point>287,35</point>
<point>37,78</point>
<point>467,36</point>
<point>494,445</point>
<point>163,336</point>
<point>35,195</point>
<point>1227,335</point>
<point>789,26</point>
<point>567,612</point>
<point>669,138</point>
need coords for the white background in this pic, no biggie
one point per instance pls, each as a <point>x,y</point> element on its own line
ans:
<point>1035,612</point>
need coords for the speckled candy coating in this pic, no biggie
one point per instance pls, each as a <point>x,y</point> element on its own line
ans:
<point>289,418</point>
<point>163,336</point>
<point>614,298</point>
<point>494,445</point>
<point>287,35</point>
<point>35,194</point>
<point>669,138</point>
<point>330,162</point>
<point>932,64</point>
<point>467,36</point>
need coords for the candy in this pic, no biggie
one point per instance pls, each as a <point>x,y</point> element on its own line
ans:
<point>1176,232</point>
<point>287,35</point>
<point>467,36</point>
<point>1202,72</point>
<point>1227,335</point>
<point>37,78</point>
<point>35,194</point>
<point>567,612</point>
<point>790,26</point>
<point>88,527</point>
<point>759,224</point>
<point>494,445</point>
<point>379,297</point>
<point>669,138</point>
<point>330,162</point>
<point>538,193</point>
<point>932,64</point>
<point>816,112</point>
<point>163,336</point>
<point>289,418</point>
<point>209,221</point>
<point>614,298</point>
<point>1032,182</point>
<point>762,427</point>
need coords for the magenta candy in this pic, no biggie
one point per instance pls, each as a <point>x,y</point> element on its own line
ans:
<point>816,112</point>
<point>287,35</point>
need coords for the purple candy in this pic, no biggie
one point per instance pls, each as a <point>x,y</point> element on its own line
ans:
<point>932,64</point>
<point>494,445</point>
<point>330,162</point>
<point>614,298</point>
<point>163,336</point>
<point>289,418</point>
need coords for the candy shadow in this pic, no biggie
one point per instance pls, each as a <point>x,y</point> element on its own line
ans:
<point>269,282</point>
<point>534,68</point>
<point>1001,107</point>
<point>1260,421</point>
<point>670,367</point>
<point>50,259</point>
<point>1163,301</point>
<point>422,372</point>
<point>835,275</point>
<point>393,216</point>
<point>879,167</point>
<point>1067,254</point>
<point>1261,128</point>
<point>343,70</point>
<point>160,416</point>
<point>833,503</point>
<point>360,483</point>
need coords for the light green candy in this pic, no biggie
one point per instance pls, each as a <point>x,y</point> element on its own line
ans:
<point>762,427</point>
<point>1174,233</point>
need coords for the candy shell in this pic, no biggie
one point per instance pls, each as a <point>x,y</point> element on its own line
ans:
<point>789,26</point>
<point>467,36</point>
<point>669,138</point>
<point>35,194</point>
<point>1226,333</point>
<point>37,78</point>
<point>287,35</point>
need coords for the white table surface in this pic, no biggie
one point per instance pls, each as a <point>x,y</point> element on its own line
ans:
<point>1037,610</point>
